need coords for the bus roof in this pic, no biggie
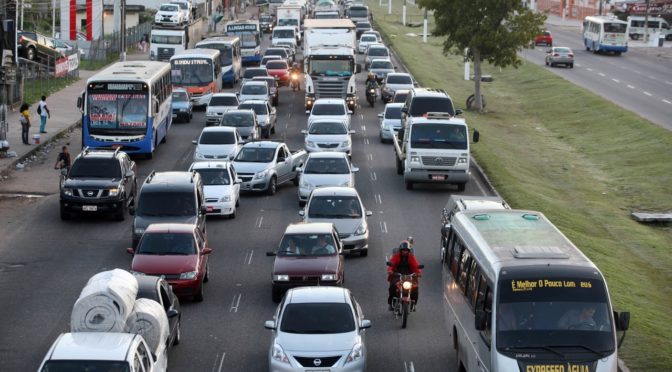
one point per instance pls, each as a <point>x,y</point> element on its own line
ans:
<point>196,53</point>
<point>219,40</point>
<point>604,19</point>
<point>509,238</point>
<point>131,70</point>
<point>328,23</point>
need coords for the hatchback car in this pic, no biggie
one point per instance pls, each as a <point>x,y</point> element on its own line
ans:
<point>400,95</point>
<point>252,72</point>
<point>217,143</point>
<point>375,33</point>
<point>272,86</point>
<point>218,105</point>
<point>181,105</point>
<point>364,41</point>
<point>343,207</point>
<point>254,90</point>
<point>309,254</point>
<point>318,329</point>
<point>544,38</point>
<point>177,252</point>
<point>330,108</point>
<point>328,135</point>
<point>390,121</point>
<point>266,115</point>
<point>560,56</point>
<point>393,82</point>
<point>380,68</point>
<point>325,169</point>
<point>376,51</point>
<point>221,187</point>
<point>245,121</point>
<point>280,71</point>
<point>158,289</point>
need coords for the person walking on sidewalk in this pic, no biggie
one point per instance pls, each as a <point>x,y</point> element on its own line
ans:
<point>63,159</point>
<point>44,113</point>
<point>24,119</point>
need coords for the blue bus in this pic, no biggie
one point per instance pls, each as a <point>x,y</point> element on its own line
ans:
<point>250,39</point>
<point>230,56</point>
<point>127,106</point>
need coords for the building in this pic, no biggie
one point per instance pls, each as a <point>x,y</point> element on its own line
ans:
<point>132,17</point>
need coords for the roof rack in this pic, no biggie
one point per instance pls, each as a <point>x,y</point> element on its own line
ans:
<point>438,115</point>
<point>115,150</point>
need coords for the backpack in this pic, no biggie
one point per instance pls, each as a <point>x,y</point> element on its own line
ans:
<point>39,109</point>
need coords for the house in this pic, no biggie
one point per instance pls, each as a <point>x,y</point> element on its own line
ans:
<point>132,17</point>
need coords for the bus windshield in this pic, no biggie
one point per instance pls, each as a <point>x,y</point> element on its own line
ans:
<point>563,313</point>
<point>439,136</point>
<point>166,39</point>
<point>225,52</point>
<point>113,113</point>
<point>359,12</point>
<point>191,71</point>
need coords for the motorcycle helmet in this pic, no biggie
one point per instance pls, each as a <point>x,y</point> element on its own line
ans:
<point>370,76</point>
<point>404,245</point>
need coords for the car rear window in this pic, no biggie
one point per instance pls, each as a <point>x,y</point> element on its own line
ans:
<point>326,166</point>
<point>237,119</point>
<point>217,138</point>
<point>334,206</point>
<point>399,79</point>
<point>254,89</point>
<point>562,50</point>
<point>369,38</point>
<point>317,318</point>
<point>423,105</point>
<point>377,52</point>
<point>259,108</point>
<point>400,97</point>
<point>328,109</point>
<point>95,168</point>
<point>269,81</point>
<point>276,65</point>
<point>252,72</point>
<point>276,52</point>
<point>393,113</point>
<point>180,96</point>
<point>382,64</point>
<point>224,101</point>
<point>85,365</point>
<point>166,204</point>
<point>167,244</point>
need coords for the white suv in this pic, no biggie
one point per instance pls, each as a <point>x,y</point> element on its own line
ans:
<point>169,14</point>
<point>330,108</point>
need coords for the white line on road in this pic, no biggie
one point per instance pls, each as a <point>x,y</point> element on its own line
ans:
<point>630,86</point>
<point>221,362</point>
<point>615,80</point>
<point>577,65</point>
<point>248,256</point>
<point>370,156</point>
<point>601,74</point>
<point>589,69</point>
<point>652,77</point>
<point>668,102</point>
<point>668,82</point>
<point>373,175</point>
<point>383,227</point>
<point>379,199</point>
<point>364,127</point>
<point>408,366</point>
<point>366,141</point>
<point>235,303</point>
<point>361,116</point>
<point>259,220</point>
<point>647,93</point>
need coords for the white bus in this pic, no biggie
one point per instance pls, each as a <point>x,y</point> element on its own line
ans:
<point>197,71</point>
<point>519,296</point>
<point>127,106</point>
<point>605,34</point>
<point>230,58</point>
<point>250,39</point>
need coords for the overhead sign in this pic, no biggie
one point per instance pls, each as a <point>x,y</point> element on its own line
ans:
<point>242,27</point>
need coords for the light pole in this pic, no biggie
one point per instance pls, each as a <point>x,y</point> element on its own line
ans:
<point>425,29</point>
<point>53,19</point>
<point>403,14</point>
<point>122,52</point>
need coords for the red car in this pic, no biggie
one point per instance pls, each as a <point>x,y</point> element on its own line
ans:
<point>177,252</point>
<point>279,70</point>
<point>544,38</point>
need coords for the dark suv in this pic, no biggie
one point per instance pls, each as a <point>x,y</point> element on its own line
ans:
<point>169,197</point>
<point>100,180</point>
<point>34,46</point>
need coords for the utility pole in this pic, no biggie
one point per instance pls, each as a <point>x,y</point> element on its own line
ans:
<point>122,44</point>
<point>425,29</point>
<point>53,19</point>
<point>646,23</point>
<point>22,6</point>
<point>389,6</point>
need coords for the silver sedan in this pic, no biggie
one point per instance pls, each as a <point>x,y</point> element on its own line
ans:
<point>560,56</point>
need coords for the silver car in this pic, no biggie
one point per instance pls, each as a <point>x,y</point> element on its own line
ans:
<point>376,51</point>
<point>325,169</point>
<point>380,68</point>
<point>560,56</point>
<point>390,121</point>
<point>328,135</point>
<point>343,207</point>
<point>393,82</point>
<point>266,115</point>
<point>318,328</point>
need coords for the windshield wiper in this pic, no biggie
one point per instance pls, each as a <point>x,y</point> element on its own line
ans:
<point>528,348</point>
<point>600,353</point>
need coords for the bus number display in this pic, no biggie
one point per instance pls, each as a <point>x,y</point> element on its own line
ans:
<point>191,62</point>
<point>530,285</point>
<point>251,27</point>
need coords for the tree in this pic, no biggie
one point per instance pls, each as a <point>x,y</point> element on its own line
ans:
<point>490,30</point>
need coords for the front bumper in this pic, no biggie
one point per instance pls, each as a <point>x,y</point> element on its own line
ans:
<point>255,185</point>
<point>213,120</point>
<point>177,114</point>
<point>220,208</point>
<point>186,287</point>
<point>293,365</point>
<point>317,148</point>
<point>437,175</point>
<point>81,205</point>
<point>355,243</point>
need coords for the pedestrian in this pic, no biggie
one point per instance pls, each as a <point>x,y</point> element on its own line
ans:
<point>44,113</point>
<point>145,42</point>
<point>63,159</point>
<point>24,119</point>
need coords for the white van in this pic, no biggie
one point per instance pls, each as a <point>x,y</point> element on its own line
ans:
<point>656,24</point>
<point>285,35</point>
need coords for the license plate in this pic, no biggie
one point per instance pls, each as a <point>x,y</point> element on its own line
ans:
<point>438,177</point>
<point>89,208</point>
<point>209,209</point>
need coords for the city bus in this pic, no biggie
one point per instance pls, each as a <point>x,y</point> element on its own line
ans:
<point>229,58</point>
<point>197,71</point>
<point>250,39</point>
<point>127,106</point>
<point>519,296</point>
<point>605,34</point>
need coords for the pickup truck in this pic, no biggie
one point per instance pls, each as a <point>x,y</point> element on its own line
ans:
<point>263,165</point>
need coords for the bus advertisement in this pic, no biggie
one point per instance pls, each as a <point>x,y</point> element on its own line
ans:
<point>197,71</point>
<point>127,106</point>
<point>229,56</point>
<point>250,39</point>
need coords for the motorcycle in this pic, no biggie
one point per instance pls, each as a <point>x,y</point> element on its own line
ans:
<point>371,96</point>
<point>402,304</point>
<point>294,82</point>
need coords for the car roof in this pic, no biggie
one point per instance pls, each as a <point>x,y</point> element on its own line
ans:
<point>335,191</point>
<point>399,73</point>
<point>239,111</point>
<point>218,128</point>
<point>318,294</point>
<point>310,228</point>
<point>210,164</point>
<point>92,346</point>
<point>263,144</point>
<point>224,94</point>
<point>429,92</point>
<point>175,228</point>
<point>394,104</point>
<point>376,46</point>
<point>380,60</point>
<point>253,82</point>
<point>170,181</point>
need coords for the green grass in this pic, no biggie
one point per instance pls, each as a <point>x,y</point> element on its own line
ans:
<point>34,89</point>
<point>549,145</point>
<point>95,65</point>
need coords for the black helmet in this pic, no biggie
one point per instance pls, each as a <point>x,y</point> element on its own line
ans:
<point>404,245</point>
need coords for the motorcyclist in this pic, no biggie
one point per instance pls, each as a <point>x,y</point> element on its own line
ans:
<point>402,262</point>
<point>371,81</point>
<point>296,69</point>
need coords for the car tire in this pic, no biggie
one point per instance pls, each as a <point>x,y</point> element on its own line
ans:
<point>276,294</point>
<point>546,63</point>
<point>30,53</point>
<point>273,129</point>
<point>409,185</point>
<point>552,64</point>
<point>272,186</point>
<point>233,214</point>
<point>571,65</point>
<point>364,252</point>
<point>400,167</point>
<point>191,116</point>
<point>201,293</point>
<point>178,336</point>
<point>121,211</point>
<point>296,179</point>
<point>238,202</point>
<point>65,215</point>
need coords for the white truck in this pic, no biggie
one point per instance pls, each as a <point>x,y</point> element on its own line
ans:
<point>329,60</point>
<point>290,15</point>
<point>434,148</point>
<point>166,41</point>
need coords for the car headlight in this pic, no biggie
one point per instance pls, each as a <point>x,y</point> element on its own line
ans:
<point>306,185</point>
<point>280,278</point>
<point>415,159</point>
<point>226,199</point>
<point>261,174</point>
<point>183,110</point>
<point>278,354</point>
<point>189,275</point>
<point>330,277</point>
<point>198,154</point>
<point>114,192</point>
<point>310,144</point>
<point>361,230</point>
<point>139,230</point>
<point>462,161</point>
<point>67,192</point>
<point>356,354</point>
<point>346,143</point>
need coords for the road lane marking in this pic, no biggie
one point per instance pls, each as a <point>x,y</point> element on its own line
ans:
<point>221,362</point>
<point>652,77</point>
<point>248,256</point>
<point>235,303</point>
<point>408,366</point>
<point>577,65</point>
<point>379,199</point>
<point>668,82</point>
<point>630,86</point>
<point>373,176</point>
<point>366,141</point>
<point>361,116</point>
<point>615,80</point>
<point>383,227</point>
<point>668,102</point>
<point>589,69</point>
<point>364,127</point>
<point>259,221</point>
<point>601,74</point>
<point>647,93</point>
<point>370,156</point>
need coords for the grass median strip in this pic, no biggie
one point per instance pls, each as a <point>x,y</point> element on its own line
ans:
<point>552,146</point>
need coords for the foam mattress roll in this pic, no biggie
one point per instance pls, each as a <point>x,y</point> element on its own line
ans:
<point>149,320</point>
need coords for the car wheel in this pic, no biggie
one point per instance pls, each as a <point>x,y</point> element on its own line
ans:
<point>546,63</point>
<point>409,185</point>
<point>30,53</point>
<point>552,64</point>
<point>201,292</point>
<point>400,167</point>
<point>276,295</point>
<point>296,179</point>
<point>190,117</point>
<point>275,101</point>
<point>178,335</point>
<point>571,65</point>
<point>272,186</point>
<point>233,214</point>
<point>65,215</point>
<point>237,202</point>
<point>364,253</point>
<point>273,129</point>
<point>461,186</point>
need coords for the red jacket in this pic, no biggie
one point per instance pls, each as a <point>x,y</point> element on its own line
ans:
<point>396,259</point>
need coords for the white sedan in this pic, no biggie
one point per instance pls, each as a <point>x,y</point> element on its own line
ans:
<point>221,187</point>
<point>328,135</point>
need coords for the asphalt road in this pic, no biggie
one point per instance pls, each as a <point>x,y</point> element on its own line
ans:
<point>639,80</point>
<point>46,262</point>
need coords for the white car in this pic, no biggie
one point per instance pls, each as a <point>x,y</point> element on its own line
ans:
<point>185,8</point>
<point>254,90</point>
<point>221,187</point>
<point>376,51</point>
<point>330,108</point>
<point>218,105</point>
<point>325,169</point>
<point>364,41</point>
<point>328,135</point>
<point>318,328</point>
<point>266,115</point>
<point>169,14</point>
<point>217,143</point>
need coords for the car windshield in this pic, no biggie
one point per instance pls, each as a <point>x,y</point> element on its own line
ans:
<point>317,318</point>
<point>180,96</point>
<point>277,52</point>
<point>259,108</point>
<point>328,109</point>
<point>254,89</point>
<point>382,65</point>
<point>562,50</point>
<point>277,65</point>
<point>439,136</point>
<point>393,112</point>
<point>255,155</point>
<point>85,366</point>
<point>423,105</point>
<point>224,101</point>
<point>166,204</point>
<point>329,127</point>
<point>334,206</point>
<point>283,34</point>
<point>269,81</point>
<point>237,119</point>
<point>166,39</point>
<point>95,168</point>
<point>167,244</point>
<point>327,166</point>
<point>217,138</point>
<point>169,8</point>
<point>378,52</point>
<point>399,79</point>
<point>214,176</point>
<point>399,97</point>
<point>369,39</point>
<point>307,245</point>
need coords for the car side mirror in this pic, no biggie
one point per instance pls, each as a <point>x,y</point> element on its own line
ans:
<point>203,209</point>
<point>195,142</point>
<point>130,250</point>
<point>622,320</point>
<point>366,324</point>
<point>477,135</point>
<point>351,132</point>
<point>299,169</point>
<point>369,213</point>
<point>480,320</point>
<point>302,213</point>
<point>80,102</point>
<point>172,313</point>
<point>354,169</point>
<point>303,131</point>
<point>238,181</point>
<point>206,250</point>
<point>269,324</point>
<point>380,115</point>
<point>131,210</point>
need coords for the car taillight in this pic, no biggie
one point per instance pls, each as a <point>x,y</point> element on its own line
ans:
<point>570,55</point>
<point>556,55</point>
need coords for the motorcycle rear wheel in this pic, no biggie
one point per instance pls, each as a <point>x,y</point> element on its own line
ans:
<point>404,314</point>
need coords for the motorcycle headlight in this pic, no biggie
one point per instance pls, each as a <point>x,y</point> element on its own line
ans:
<point>330,277</point>
<point>114,192</point>
<point>372,91</point>
<point>278,354</point>
<point>225,199</point>
<point>361,230</point>
<point>415,159</point>
<point>281,278</point>
<point>67,192</point>
<point>356,354</point>
<point>139,230</point>
<point>407,285</point>
<point>261,174</point>
<point>189,275</point>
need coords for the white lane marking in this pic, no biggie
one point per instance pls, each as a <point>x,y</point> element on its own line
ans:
<point>361,116</point>
<point>668,82</point>
<point>289,115</point>
<point>630,86</point>
<point>366,141</point>
<point>577,65</point>
<point>601,74</point>
<point>408,366</point>
<point>235,303</point>
<point>647,93</point>
<point>383,227</point>
<point>363,127</point>
<point>589,69</point>
<point>652,77</point>
<point>373,176</point>
<point>615,80</point>
<point>248,257</point>
<point>668,102</point>
<point>370,156</point>
<point>259,221</point>
<point>379,199</point>
<point>637,72</point>
<point>221,362</point>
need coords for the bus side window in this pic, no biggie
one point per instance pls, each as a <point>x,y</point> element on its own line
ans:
<point>465,264</point>
<point>484,302</point>
<point>472,285</point>
<point>455,254</point>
